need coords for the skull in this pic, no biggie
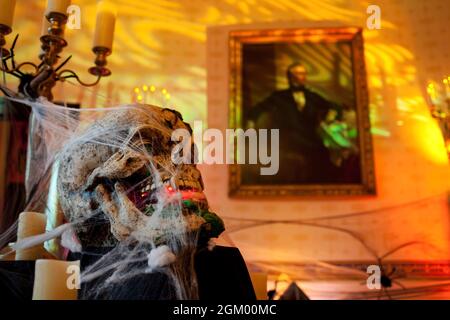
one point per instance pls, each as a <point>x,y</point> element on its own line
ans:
<point>117,169</point>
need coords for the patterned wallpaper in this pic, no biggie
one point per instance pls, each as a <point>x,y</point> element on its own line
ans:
<point>411,164</point>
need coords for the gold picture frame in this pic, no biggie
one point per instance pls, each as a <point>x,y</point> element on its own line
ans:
<point>297,37</point>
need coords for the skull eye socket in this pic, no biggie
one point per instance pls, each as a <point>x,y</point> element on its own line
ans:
<point>150,140</point>
<point>93,205</point>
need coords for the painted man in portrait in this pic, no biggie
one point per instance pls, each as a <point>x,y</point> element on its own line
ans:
<point>299,113</point>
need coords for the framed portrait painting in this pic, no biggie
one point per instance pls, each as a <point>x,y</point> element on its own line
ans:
<point>310,85</point>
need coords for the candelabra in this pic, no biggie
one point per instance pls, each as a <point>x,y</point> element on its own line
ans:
<point>47,73</point>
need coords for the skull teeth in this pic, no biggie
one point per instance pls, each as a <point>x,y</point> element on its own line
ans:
<point>145,189</point>
<point>180,184</point>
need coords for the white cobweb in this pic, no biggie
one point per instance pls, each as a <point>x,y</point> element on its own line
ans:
<point>163,241</point>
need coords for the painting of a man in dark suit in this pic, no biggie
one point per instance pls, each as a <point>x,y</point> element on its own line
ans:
<point>302,93</point>
<point>299,113</point>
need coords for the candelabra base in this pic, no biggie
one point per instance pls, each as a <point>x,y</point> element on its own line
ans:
<point>100,71</point>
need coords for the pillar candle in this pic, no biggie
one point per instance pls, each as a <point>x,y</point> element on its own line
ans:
<point>104,27</point>
<point>56,280</point>
<point>7,12</point>
<point>259,281</point>
<point>30,224</point>
<point>57,6</point>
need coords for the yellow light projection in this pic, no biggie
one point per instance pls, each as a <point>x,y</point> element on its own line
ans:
<point>155,40</point>
<point>162,44</point>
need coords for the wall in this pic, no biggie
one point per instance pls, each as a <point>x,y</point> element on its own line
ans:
<point>411,203</point>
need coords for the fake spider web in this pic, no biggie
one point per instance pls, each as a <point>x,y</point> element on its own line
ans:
<point>161,223</point>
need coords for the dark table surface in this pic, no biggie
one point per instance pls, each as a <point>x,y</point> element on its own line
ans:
<point>221,275</point>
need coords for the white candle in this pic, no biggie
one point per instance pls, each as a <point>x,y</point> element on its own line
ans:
<point>57,6</point>
<point>104,27</point>
<point>31,224</point>
<point>7,12</point>
<point>56,280</point>
<point>259,281</point>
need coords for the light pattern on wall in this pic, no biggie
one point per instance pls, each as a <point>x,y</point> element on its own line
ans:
<point>411,163</point>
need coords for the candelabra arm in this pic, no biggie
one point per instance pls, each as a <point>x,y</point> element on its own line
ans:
<point>5,68</point>
<point>71,74</point>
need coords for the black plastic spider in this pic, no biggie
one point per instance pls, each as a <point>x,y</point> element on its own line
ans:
<point>386,281</point>
<point>389,277</point>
